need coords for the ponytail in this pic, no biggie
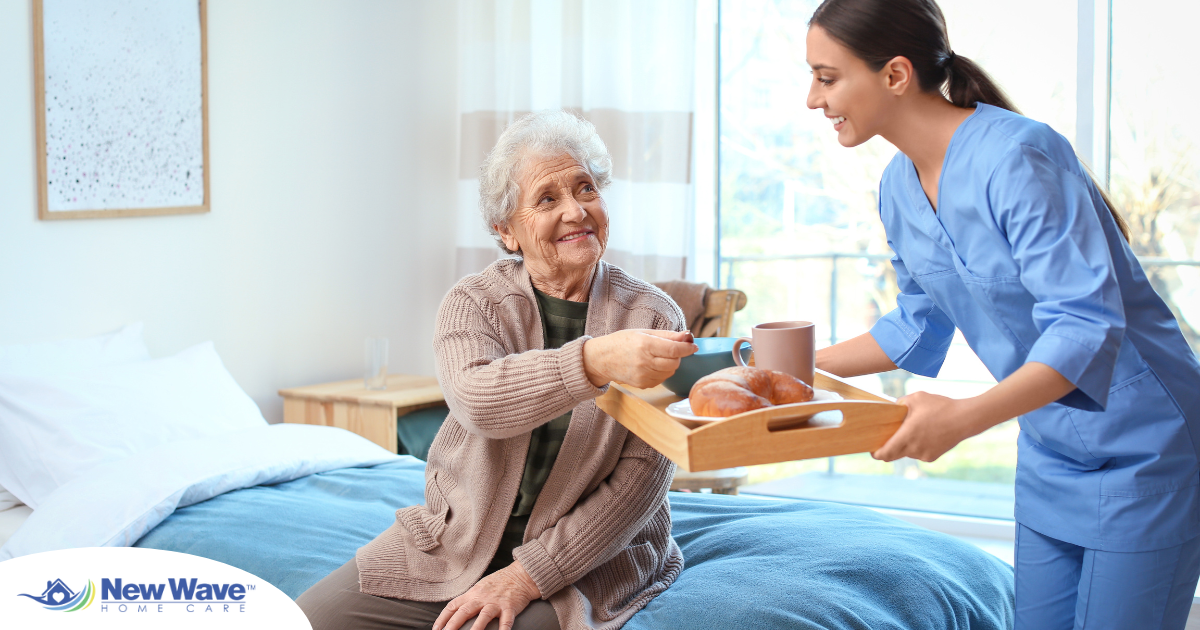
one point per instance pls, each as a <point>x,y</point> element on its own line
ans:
<point>878,31</point>
<point>967,84</point>
<point>1122,224</point>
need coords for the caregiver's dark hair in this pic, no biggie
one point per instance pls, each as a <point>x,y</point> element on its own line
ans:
<point>878,31</point>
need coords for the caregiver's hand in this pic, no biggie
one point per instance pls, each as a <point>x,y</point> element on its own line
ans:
<point>501,595</point>
<point>934,425</point>
<point>641,358</point>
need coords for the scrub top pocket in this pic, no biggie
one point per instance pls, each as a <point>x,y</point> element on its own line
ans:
<point>1146,437</point>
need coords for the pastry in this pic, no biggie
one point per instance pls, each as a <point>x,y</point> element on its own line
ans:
<point>735,390</point>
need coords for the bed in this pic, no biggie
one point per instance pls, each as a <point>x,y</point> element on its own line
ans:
<point>290,503</point>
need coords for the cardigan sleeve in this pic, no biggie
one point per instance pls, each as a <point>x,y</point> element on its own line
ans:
<point>605,521</point>
<point>495,394</point>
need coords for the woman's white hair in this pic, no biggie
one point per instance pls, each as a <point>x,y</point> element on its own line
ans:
<point>544,134</point>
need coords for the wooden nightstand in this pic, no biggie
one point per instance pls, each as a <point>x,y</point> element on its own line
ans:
<point>367,412</point>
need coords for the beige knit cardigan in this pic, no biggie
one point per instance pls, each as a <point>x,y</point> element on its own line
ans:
<point>598,543</point>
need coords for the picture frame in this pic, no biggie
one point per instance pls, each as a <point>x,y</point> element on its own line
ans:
<point>121,101</point>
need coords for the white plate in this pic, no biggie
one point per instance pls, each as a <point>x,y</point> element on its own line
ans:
<point>683,408</point>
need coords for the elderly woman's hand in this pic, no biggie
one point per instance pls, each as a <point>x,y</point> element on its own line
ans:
<point>641,358</point>
<point>501,595</point>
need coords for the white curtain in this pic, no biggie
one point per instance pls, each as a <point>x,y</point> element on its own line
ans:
<point>625,65</point>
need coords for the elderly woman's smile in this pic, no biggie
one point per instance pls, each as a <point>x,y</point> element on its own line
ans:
<point>575,236</point>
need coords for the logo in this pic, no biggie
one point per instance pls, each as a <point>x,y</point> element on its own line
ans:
<point>58,596</point>
<point>130,588</point>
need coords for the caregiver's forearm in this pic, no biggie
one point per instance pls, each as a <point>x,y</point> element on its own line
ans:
<point>1033,386</point>
<point>854,357</point>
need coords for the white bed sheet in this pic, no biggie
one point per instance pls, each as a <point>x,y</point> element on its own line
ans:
<point>116,503</point>
<point>11,520</point>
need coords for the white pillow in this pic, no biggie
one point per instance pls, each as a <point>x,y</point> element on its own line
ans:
<point>7,500</point>
<point>54,358</point>
<point>53,429</point>
<point>70,355</point>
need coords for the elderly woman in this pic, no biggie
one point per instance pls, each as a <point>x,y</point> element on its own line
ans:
<point>540,510</point>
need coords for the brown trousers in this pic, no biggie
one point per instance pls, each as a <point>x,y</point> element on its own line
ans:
<point>336,603</point>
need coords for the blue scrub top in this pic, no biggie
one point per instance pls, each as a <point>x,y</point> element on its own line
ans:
<point>1025,259</point>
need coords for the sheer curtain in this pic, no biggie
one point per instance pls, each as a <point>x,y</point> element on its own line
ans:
<point>627,66</point>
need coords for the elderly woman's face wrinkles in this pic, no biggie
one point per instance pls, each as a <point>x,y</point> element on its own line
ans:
<point>560,226</point>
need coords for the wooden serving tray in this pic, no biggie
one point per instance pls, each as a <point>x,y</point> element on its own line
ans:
<point>764,436</point>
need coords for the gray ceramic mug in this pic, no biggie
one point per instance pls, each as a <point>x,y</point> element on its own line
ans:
<point>782,346</point>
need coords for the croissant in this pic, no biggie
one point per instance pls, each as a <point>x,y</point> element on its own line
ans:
<point>735,390</point>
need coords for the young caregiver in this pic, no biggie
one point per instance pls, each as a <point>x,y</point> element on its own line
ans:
<point>1000,232</point>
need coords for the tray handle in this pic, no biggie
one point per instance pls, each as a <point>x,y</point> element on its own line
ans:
<point>866,425</point>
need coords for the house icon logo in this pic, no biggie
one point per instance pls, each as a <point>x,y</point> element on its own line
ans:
<point>58,596</point>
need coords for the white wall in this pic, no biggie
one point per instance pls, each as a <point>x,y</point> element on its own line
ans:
<point>332,129</point>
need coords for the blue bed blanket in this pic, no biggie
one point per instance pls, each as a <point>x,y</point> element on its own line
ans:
<point>749,563</point>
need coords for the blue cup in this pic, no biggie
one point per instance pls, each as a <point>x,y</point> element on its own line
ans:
<point>715,353</point>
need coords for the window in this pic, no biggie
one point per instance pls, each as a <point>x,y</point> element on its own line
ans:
<point>797,212</point>
<point>1154,137</point>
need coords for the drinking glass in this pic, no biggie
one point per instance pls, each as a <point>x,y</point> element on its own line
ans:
<point>375,361</point>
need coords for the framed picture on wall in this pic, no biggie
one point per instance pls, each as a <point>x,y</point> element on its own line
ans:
<point>122,107</point>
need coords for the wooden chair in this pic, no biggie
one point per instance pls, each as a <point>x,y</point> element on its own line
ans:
<point>709,312</point>
<point>719,307</point>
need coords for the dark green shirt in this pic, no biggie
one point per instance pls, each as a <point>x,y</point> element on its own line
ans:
<point>563,321</point>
